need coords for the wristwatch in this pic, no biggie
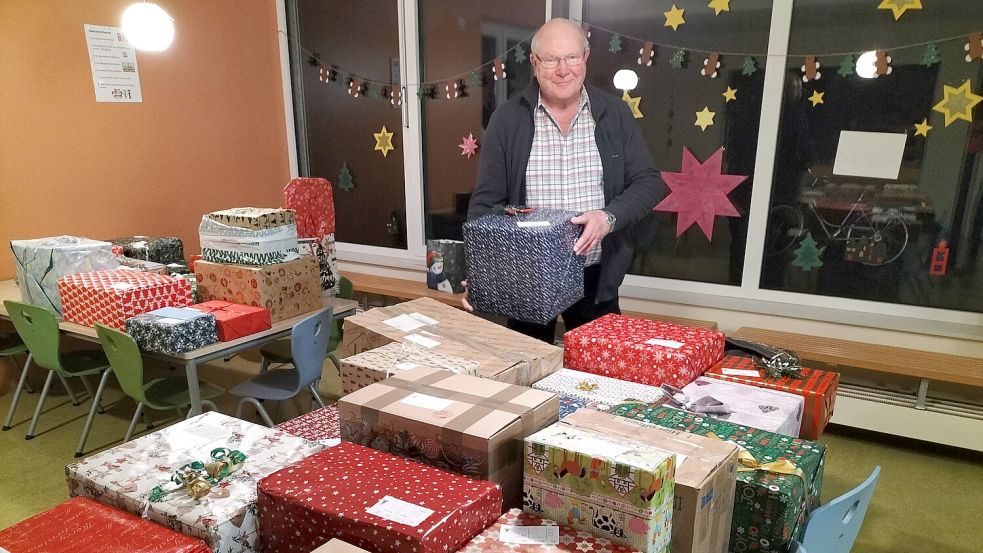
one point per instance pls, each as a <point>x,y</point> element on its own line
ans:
<point>611,219</point>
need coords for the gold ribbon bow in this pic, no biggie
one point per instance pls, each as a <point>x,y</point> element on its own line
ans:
<point>747,463</point>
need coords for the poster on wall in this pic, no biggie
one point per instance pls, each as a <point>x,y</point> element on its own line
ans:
<point>114,65</point>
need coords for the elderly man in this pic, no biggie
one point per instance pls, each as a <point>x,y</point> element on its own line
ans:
<point>564,145</point>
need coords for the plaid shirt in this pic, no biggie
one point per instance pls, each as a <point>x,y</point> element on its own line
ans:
<point>565,172</point>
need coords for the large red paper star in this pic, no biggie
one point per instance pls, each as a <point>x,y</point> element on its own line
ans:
<point>699,193</point>
<point>469,146</point>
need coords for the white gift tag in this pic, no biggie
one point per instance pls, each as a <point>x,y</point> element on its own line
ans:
<point>399,511</point>
<point>740,372</point>
<point>405,323</point>
<point>425,401</point>
<point>422,340</point>
<point>523,224</point>
<point>424,319</point>
<point>169,321</point>
<point>406,366</point>
<point>529,535</point>
<point>122,285</point>
<point>666,343</point>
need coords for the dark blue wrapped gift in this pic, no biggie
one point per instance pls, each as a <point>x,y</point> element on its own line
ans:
<point>173,330</point>
<point>523,266</point>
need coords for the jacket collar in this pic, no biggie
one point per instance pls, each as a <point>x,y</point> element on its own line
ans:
<point>530,96</point>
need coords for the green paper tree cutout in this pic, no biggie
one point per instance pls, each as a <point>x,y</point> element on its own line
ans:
<point>931,55</point>
<point>345,181</point>
<point>341,78</point>
<point>846,66</point>
<point>750,66</point>
<point>475,80</point>
<point>678,59</point>
<point>425,92</point>
<point>520,54</point>
<point>807,255</point>
<point>373,90</point>
<point>615,45</point>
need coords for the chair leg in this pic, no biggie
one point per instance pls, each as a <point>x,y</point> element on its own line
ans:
<point>92,412</point>
<point>211,405</point>
<point>88,390</point>
<point>259,409</point>
<point>37,410</point>
<point>133,422</point>
<point>264,365</point>
<point>71,393</point>
<point>316,396</point>
<point>21,385</point>
<point>147,423</point>
<point>334,359</point>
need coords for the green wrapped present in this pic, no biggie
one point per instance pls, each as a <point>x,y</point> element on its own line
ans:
<point>779,478</point>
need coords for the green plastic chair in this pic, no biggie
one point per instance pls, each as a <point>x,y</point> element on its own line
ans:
<point>38,328</point>
<point>161,393</point>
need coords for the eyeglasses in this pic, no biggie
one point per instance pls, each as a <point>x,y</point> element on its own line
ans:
<point>551,62</point>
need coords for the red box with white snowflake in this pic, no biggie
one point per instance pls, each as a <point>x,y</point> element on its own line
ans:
<point>571,539</point>
<point>111,297</point>
<point>374,500</point>
<point>642,350</point>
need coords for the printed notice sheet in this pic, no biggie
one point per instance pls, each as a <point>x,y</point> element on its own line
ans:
<point>114,65</point>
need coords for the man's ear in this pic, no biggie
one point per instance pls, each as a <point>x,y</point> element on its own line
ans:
<point>586,54</point>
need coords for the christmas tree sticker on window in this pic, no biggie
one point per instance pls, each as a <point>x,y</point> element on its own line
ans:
<point>807,255</point>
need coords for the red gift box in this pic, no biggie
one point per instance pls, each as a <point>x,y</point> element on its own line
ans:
<point>642,350</point>
<point>111,297</point>
<point>82,525</point>
<point>313,201</point>
<point>817,387</point>
<point>236,320</point>
<point>318,425</point>
<point>328,495</point>
<point>570,538</point>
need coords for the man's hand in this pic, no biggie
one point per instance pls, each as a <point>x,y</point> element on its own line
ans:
<point>595,225</point>
<point>464,301</point>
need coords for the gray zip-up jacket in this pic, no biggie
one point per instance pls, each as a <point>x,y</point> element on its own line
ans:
<point>632,185</point>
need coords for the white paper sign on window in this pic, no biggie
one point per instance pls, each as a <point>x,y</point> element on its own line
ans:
<point>869,154</point>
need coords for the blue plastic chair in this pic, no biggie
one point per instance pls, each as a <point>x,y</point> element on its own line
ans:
<point>308,347</point>
<point>833,527</point>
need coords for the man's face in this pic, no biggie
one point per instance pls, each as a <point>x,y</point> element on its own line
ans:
<point>562,83</point>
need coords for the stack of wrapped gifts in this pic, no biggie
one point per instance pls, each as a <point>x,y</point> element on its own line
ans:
<point>112,297</point>
<point>41,262</point>
<point>375,365</point>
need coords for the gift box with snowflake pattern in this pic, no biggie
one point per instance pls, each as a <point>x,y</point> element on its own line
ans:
<point>172,330</point>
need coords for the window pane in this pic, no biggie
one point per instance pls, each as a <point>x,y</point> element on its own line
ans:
<point>834,233</point>
<point>670,100</point>
<point>335,129</point>
<point>456,37</point>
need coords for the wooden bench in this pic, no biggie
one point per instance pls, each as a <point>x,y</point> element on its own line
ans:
<point>711,325</point>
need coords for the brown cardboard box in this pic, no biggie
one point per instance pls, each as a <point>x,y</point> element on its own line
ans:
<point>286,289</point>
<point>705,479</point>
<point>456,422</point>
<point>502,354</point>
<point>362,369</point>
<point>255,218</point>
<point>338,546</point>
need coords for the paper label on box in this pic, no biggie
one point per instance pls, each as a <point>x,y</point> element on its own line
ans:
<point>424,319</point>
<point>665,343</point>
<point>169,321</point>
<point>399,511</point>
<point>727,371</point>
<point>425,401</point>
<point>404,322</point>
<point>406,366</point>
<point>122,285</point>
<point>422,340</point>
<point>522,224</point>
<point>529,535</point>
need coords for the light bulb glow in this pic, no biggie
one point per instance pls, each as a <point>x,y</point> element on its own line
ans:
<point>148,27</point>
<point>867,65</point>
<point>625,79</point>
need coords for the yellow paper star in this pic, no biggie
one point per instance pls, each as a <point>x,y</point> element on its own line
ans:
<point>900,6</point>
<point>719,6</point>
<point>384,141</point>
<point>730,94</point>
<point>633,104</point>
<point>674,17</point>
<point>816,98</point>
<point>704,118</point>
<point>958,103</point>
<point>921,129</point>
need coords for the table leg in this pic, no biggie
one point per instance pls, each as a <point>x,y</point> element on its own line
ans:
<point>194,392</point>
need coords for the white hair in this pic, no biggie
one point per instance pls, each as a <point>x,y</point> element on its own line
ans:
<point>584,44</point>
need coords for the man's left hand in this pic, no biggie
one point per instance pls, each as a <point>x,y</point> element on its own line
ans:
<point>595,225</point>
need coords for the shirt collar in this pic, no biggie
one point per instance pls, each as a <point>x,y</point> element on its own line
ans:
<point>584,101</point>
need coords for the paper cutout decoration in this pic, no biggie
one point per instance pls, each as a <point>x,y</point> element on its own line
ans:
<point>817,98</point>
<point>750,66</point>
<point>882,64</point>
<point>940,259</point>
<point>957,103</point>
<point>615,45</point>
<point>899,7</point>
<point>395,96</point>
<point>847,65</point>
<point>719,6</point>
<point>520,54</point>
<point>384,141</point>
<point>699,192</point>
<point>974,47</point>
<point>425,92</point>
<point>452,89</point>
<point>646,54</point>
<point>325,74</point>
<point>340,77</point>
<point>373,91</point>
<point>931,55</point>
<point>469,146</point>
<point>807,255</point>
<point>704,118</point>
<point>475,80</point>
<point>499,69</point>
<point>711,65</point>
<point>678,59</point>
<point>810,69</point>
<point>921,129</point>
<point>674,17</point>
<point>345,180</point>
<point>633,103</point>
<point>730,94</point>
<point>354,87</point>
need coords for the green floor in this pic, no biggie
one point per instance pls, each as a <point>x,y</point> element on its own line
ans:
<point>928,498</point>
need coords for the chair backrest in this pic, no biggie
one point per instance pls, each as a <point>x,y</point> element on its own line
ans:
<point>125,359</point>
<point>309,346</point>
<point>833,527</point>
<point>38,328</point>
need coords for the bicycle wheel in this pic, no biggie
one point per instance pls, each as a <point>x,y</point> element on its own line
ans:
<point>785,227</point>
<point>890,238</point>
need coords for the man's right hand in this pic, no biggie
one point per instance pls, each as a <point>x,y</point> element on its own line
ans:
<point>464,301</point>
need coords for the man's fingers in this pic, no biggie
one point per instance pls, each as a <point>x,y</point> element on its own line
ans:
<point>579,219</point>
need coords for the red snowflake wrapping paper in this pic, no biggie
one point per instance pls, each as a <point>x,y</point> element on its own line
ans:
<point>570,539</point>
<point>313,201</point>
<point>321,425</point>
<point>642,350</point>
<point>111,297</point>
<point>82,525</point>
<point>326,496</point>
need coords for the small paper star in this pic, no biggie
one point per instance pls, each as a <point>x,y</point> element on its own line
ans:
<point>704,118</point>
<point>674,17</point>
<point>921,129</point>
<point>384,141</point>
<point>957,103</point>
<point>633,103</point>
<point>816,98</point>
<point>900,6</point>
<point>468,146</point>
<point>730,94</point>
<point>719,6</point>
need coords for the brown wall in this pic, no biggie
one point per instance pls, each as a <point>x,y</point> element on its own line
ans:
<point>209,134</point>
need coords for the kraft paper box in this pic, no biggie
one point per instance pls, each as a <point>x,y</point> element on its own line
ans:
<point>595,482</point>
<point>226,518</point>
<point>172,330</point>
<point>501,354</point>
<point>705,477</point>
<point>338,546</point>
<point>771,410</point>
<point>254,218</point>
<point>112,297</point>
<point>455,422</point>
<point>164,250</point>
<point>286,289</point>
<point>42,261</point>
<point>375,365</point>
<point>571,539</point>
<point>601,391</point>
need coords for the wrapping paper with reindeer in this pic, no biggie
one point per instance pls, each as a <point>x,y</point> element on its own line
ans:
<point>568,538</point>
<point>600,391</point>
<point>226,517</point>
<point>617,489</point>
<point>771,410</point>
<point>375,365</point>
<point>226,243</point>
<point>41,262</point>
<point>779,478</point>
<point>285,289</point>
<point>455,422</point>
<point>501,354</point>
